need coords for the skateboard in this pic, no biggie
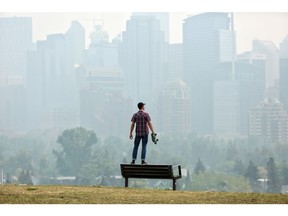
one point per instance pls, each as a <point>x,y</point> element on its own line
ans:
<point>154,138</point>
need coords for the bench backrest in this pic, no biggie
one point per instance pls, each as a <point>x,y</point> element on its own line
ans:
<point>151,171</point>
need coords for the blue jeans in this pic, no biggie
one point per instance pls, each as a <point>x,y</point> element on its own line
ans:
<point>136,145</point>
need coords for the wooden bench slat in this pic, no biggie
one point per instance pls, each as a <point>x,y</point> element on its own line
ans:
<point>143,175</point>
<point>147,172</point>
<point>147,169</point>
<point>144,167</point>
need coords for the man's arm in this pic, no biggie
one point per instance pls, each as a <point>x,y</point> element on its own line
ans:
<point>131,130</point>
<point>151,126</point>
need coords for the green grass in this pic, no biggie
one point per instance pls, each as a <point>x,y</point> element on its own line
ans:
<point>15,194</point>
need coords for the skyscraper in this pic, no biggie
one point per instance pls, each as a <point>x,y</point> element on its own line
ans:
<point>269,49</point>
<point>269,121</point>
<point>208,39</point>
<point>15,41</point>
<point>226,108</point>
<point>102,104</point>
<point>12,102</point>
<point>233,98</point>
<point>175,61</point>
<point>143,57</point>
<point>163,17</point>
<point>52,88</point>
<point>283,73</point>
<point>75,40</point>
<point>174,108</point>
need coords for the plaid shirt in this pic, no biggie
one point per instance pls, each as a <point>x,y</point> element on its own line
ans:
<point>141,119</point>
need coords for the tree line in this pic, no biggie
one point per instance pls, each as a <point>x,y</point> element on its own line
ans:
<point>243,164</point>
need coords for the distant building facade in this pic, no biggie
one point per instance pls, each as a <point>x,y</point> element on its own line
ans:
<point>52,95</point>
<point>271,53</point>
<point>163,18</point>
<point>283,73</point>
<point>15,41</point>
<point>269,120</point>
<point>233,98</point>
<point>142,58</point>
<point>103,106</point>
<point>175,62</point>
<point>208,39</point>
<point>12,102</point>
<point>226,108</point>
<point>174,108</point>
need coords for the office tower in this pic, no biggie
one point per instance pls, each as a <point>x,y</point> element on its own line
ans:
<point>104,86</point>
<point>12,102</point>
<point>269,121</point>
<point>15,41</point>
<point>47,87</point>
<point>175,61</point>
<point>233,98</point>
<point>108,113</point>
<point>102,104</point>
<point>174,109</point>
<point>283,73</point>
<point>251,75</point>
<point>271,52</point>
<point>52,86</point>
<point>142,58</point>
<point>75,39</point>
<point>208,39</point>
<point>163,17</point>
<point>101,53</point>
<point>226,108</point>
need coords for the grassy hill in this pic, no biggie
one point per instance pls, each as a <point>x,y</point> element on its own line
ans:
<point>15,194</point>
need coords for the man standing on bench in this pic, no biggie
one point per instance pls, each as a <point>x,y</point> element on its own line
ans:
<point>143,121</point>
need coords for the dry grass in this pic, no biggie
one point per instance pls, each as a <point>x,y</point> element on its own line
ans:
<point>13,194</point>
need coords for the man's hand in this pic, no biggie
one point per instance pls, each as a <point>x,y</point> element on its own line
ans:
<point>131,136</point>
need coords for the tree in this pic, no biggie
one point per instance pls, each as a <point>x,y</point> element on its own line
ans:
<point>274,185</point>
<point>1,155</point>
<point>25,177</point>
<point>21,160</point>
<point>213,181</point>
<point>284,174</point>
<point>232,152</point>
<point>252,175</point>
<point>76,150</point>
<point>239,167</point>
<point>199,167</point>
<point>187,180</point>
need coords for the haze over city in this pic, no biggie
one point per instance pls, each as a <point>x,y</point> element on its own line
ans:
<point>214,83</point>
<point>245,31</point>
<point>270,26</point>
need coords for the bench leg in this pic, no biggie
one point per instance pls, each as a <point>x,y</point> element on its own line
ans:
<point>126,182</point>
<point>174,184</point>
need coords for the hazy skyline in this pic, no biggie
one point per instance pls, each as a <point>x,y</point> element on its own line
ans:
<point>272,26</point>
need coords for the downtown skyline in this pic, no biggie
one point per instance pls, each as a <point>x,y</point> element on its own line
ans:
<point>270,26</point>
<point>127,60</point>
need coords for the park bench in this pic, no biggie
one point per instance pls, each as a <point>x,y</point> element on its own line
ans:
<point>151,172</point>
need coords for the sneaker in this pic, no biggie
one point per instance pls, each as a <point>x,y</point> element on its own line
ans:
<point>144,163</point>
<point>133,162</point>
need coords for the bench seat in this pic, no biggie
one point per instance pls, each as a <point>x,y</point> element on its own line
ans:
<point>151,172</point>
